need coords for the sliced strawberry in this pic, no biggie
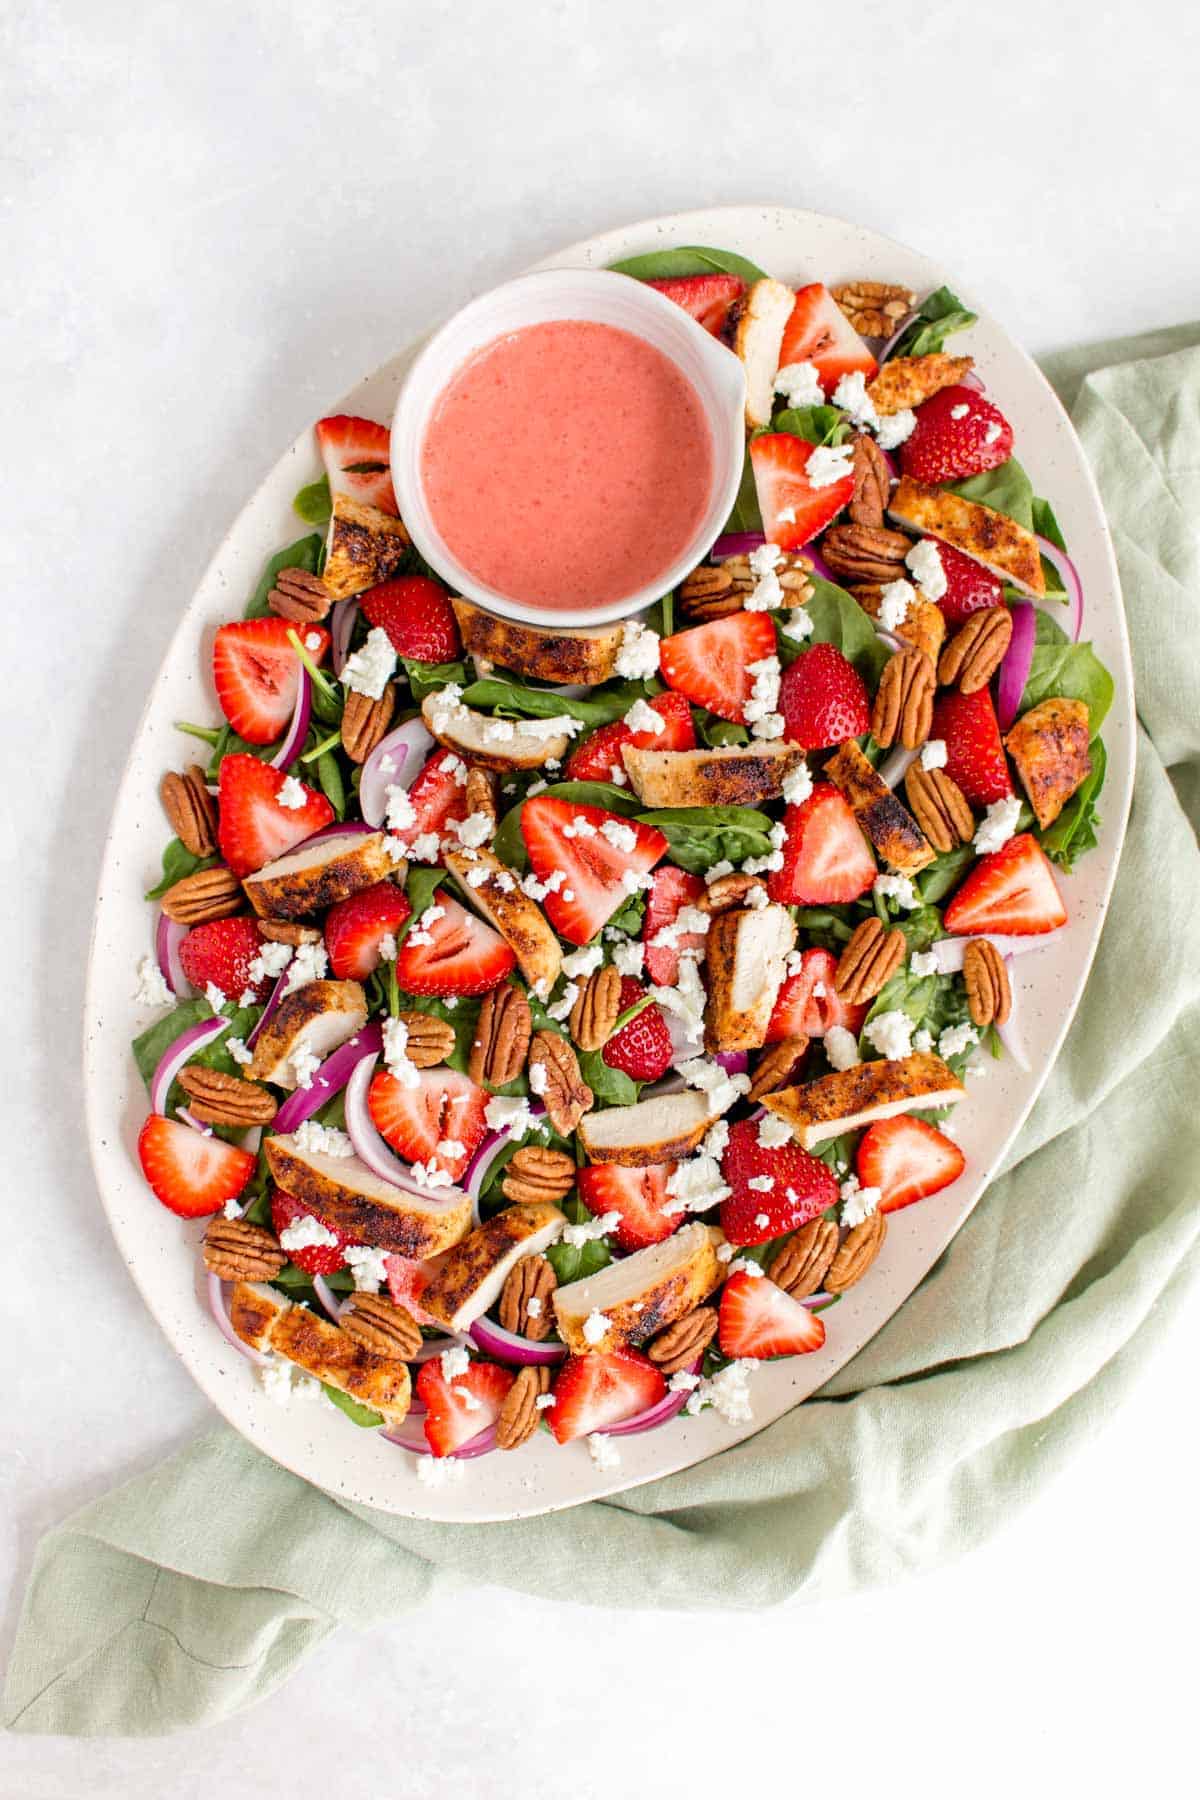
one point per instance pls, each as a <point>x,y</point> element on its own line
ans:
<point>256,673</point>
<point>458,1410</point>
<point>974,754</point>
<point>253,828</point>
<point>638,1195</point>
<point>357,457</point>
<point>803,1011</point>
<point>192,1174</point>
<point>598,758</point>
<point>793,510</point>
<point>593,1392</point>
<point>355,929</point>
<point>440,1122</point>
<point>969,586</point>
<point>314,1259</point>
<point>641,1049</point>
<point>819,332</point>
<point>708,298</point>
<point>758,1319</point>
<point>407,1279</point>
<point>593,874</point>
<point>671,890</point>
<point>464,956</point>
<point>958,433</point>
<point>438,795</point>
<point>417,615</point>
<point>802,1186</point>
<point>221,951</point>
<point>826,859</point>
<point>823,699</point>
<point>906,1159</point>
<point>1012,891</point>
<point>710,663</point>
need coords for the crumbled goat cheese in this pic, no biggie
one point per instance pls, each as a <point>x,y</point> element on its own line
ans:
<point>642,717</point>
<point>534,1307</point>
<point>454,1363</point>
<point>891,1034</point>
<point>768,591</point>
<point>603,1452</point>
<point>761,1221</point>
<point>620,835</point>
<point>439,1471</point>
<point>773,1132</point>
<point>499,731</point>
<point>686,1000</point>
<point>512,1115</point>
<point>474,830</point>
<point>426,848</point>
<point>687,921</point>
<point>829,463</point>
<point>292,795</point>
<point>759,709</point>
<point>841,1047</point>
<point>960,411</point>
<point>151,989</point>
<point>324,1140</point>
<point>400,814</point>
<point>387,948</point>
<point>582,962</point>
<point>579,1235</point>
<point>683,1381</point>
<point>923,962</point>
<point>852,396</point>
<point>368,1267</point>
<point>422,932</point>
<point>307,1233</point>
<point>992,433</point>
<point>998,826</point>
<point>925,562</point>
<point>269,963</point>
<point>757,897</point>
<point>717,871</point>
<point>579,827</point>
<point>539,1078</point>
<point>898,888</point>
<point>858,1203</point>
<point>716,1138</point>
<point>923,1041</point>
<point>238,1051</point>
<point>309,963</point>
<point>727,1392</point>
<point>544,1402</point>
<point>561,1008</point>
<point>595,1326</point>
<point>895,429</point>
<point>800,384</point>
<point>895,598</point>
<point>798,623</point>
<point>695,1184</point>
<point>283,1382</point>
<point>638,655</point>
<point>429,1175</point>
<point>798,785</point>
<point>395,1054</point>
<point>370,669</point>
<point>955,1039</point>
<point>934,754</point>
<point>762,1184</point>
<point>631,883</point>
<point>305,1064</point>
<point>533,790</point>
<point>629,957</point>
<point>232,1209</point>
<point>721,1089</point>
<point>451,1147</point>
<point>724,1253</point>
<point>746,1265</point>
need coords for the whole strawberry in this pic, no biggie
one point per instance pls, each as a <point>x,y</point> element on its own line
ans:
<point>314,1259</point>
<point>417,616</point>
<point>969,586</point>
<point>642,1048</point>
<point>823,699</point>
<point>799,1186</point>
<point>221,952</point>
<point>958,433</point>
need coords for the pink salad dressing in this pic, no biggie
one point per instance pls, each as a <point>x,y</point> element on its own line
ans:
<point>568,464</point>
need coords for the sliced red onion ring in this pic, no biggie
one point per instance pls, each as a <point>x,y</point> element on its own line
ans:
<point>405,749</point>
<point>370,1147</point>
<point>889,638</point>
<point>734,1062</point>
<point>273,999</point>
<point>196,1037</point>
<point>297,731</point>
<point>168,936</point>
<point>895,767</point>
<point>434,1346</point>
<point>477,1169</point>
<point>1018,660</point>
<point>1068,574</point>
<point>509,1347</point>
<point>220,1312</point>
<point>737,543</point>
<point>409,1440</point>
<point>327,1297</point>
<point>972,380</point>
<point>339,828</point>
<point>1010,1033</point>
<point>891,343</point>
<point>341,629</point>
<point>186,1117</point>
<point>328,1079</point>
<point>949,950</point>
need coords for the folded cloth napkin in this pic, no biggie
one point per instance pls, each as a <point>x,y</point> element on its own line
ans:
<point>141,1619</point>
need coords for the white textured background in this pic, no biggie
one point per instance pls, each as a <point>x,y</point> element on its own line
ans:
<point>216,218</point>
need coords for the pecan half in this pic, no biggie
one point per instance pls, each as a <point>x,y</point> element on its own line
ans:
<point>872,483</point>
<point>566,1093</point>
<point>939,806</point>
<point>380,1326</point>
<point>300,597</point>
<point>538,1174</point>
<point>220,1099</point>
<point>865,552</point>
<point>191,809</point>
<point>501,1037</point>
<point>977,649</point>
<point>681,1343</point>
<point>237,1251</point>
<point>728,891</point>
<point>430,1040</point>
<point>776,1066</point>
<point>858,1251</point>
<point>868,962</point>
<point>708,593</point>
<point>208,894</point>
<point>904,700</point>
<point>989,994</point>
<point>874,308</point>
<point>482,787</point>
<point>288,931</point>
<point>365,721</point>
<point>525,1298</point>
<point>800,1266</point>
<point>519,1413</point>
<point>597,1008</point>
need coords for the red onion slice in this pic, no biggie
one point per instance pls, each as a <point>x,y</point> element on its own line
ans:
<point>891,343</point>
<point>737,543</point>
<point>972,380</point>
<point>273,999</point>
<point>949,950</point>
<point>328,1079</point>
<point>341,629</point>
<point>509,1347</point>
<point>1018,659</point>
<point>734,1062</point>
<point>327,1297</point>
<point>895,767</point>
<point>186,1117</point>
<point>371,1149</point>
<point>404,749</point>
<point>434,1346</point>
<point>1010,1033</point>
<point>1068,574</point>
<point>196,1037</point>
<point>297,731</point>
<point>168,936</point>
<point>216,1302</point>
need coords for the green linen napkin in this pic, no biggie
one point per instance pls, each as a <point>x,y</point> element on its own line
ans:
<point>140,1619</point>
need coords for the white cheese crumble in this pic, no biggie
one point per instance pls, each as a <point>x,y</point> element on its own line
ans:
<point>561,1008</point>
<point>955,1039</point>
<point>960,411</point>
<point>510,1114</point>
<point>283,1382</point>
<point>370,669</point>
<point>841,1047</point>
<point>773,1132</point>
<point>474,830</point>
<point>582,962</point>
<point>620,835</point>
<point>798,784</point>
<point>852,396</point>
<point>579,1235</point>
<point>215,996</point>
<point>768,591</point>
<point>829,463</point>
<point>305,1064</point>
<point>395,1054</point>
<point>727,1392</point>
<point>307,1233</point>
<point>998,826</point>
<point>800,384</point>
<point>637,657</point>
<point>760,713</point>
<point>323,1140</point>
<point>642,717</point>
<point>695,1184</point>
<point>151,989</point>
<point>925,562</point>
<point>579,827</point>
<point>308,963</point>
<point>368,1267</point>
<point>762,1184</point>
<point>455,1362</point>
<point>595,1327</point>
<point>603,1451</point>
<point>544,1402</point>
<point>292,795</point>
<point>629,957</point>
<point>238,1050</point>
<point>400,814</point>
<point>895,598</point>
<point>923,962</point>
<point>890,1034</point>
<point>798,623</point>
<point>923,1041</point>
<point>895,429</point>
<point>858,1203</point>
<point>934,754</point>
<point>898,888</point>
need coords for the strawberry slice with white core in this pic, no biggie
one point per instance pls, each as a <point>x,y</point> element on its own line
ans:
<point>193,1173</point>
<point>438,1122</point>
<point>603,1389</point>
<point>459,1408</point>
<point>438,798</point>
<point>671,890</point>
<point>449,950</point>
<point>256,673</point>
<point>758,1319</point>
<point>794,506</point>
<point>826,859</point>
<point>357,458</point>
<point>356,929</point>
<point>1011,891</point>
<point>809,1004</point>
<point>587,856</point>
<point>907,1160</point>
<point>637,1196</point>
<point>708,298</point>
<point>819,332</point>
<point>710,664</point>
<point>253,828</point>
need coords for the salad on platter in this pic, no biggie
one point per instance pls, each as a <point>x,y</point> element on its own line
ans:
<point>548,1021</point>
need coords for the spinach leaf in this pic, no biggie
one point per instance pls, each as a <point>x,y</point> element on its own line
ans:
<point>430,678</point>
<point>935,882</point>
<point>509,845</point>
<point>510,697</point>
<point>315,502</point>
<point>1076,828</point>
<point>303,554</point>
<point>746,514</point>
<point>628,918</point>
<point>612,1087</point>
<point>1063,670</point>
<point>838,619</point>
<point>177,861</point>
<point>700,836</point>
<point>329,774</point>
<point>716,733</point>
<point>1045,523</point>
<point>689,259</point>
<point>420,885</point>
<point>149,1045</point>
<point>941,314</point>
<point>355,1411</point>
<point>1006,489</point>
<point>572,1262</point>
<point>828,924</point>
<point>815,424</point>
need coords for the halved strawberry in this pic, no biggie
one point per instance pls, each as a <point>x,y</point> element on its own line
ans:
<point>458,1410</point>
<point>823,699</point>
<point>974,754</point>
<point>256,673</point>
<point>594,875</point>
<point>638,1195</point>
<point>758,1319</point>
<point>709,663</point>
<point>357,458</point>
<point>221,951</point>
<point>958,433</point>
<point>416,614</point>
<point>193,1175</point>
<point>906,1159</point>
<point>826,859</point>
<point>407,1279</point>
<point>314,1259</point>
<point>438,795</point>
<point>253,827</point>
<point>1012,891</point>
<point>670,891</point>
<point>465,956</point>
<point>355,928</point>
<point>819,332</point>
<point>802,1011</point>
<point>802,1186</point>
<point>596,1391</point>
<point>641,1049</point>
<point>793,510</point>
<point>708,298</point>
<point>439,1122</point>
<point>969,586</point>
<point>598,758</point>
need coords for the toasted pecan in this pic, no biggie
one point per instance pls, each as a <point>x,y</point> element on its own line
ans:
<point>776,1066</point>
<point>525,1298</point>
<point>235,1250</point>
<point>429,1040</point>
<point>214,893</point>
<point>502,1036</point>
<point>874,308</point>
<point>865,552</point>
<point>857,1252</point>
<point>381,1326</point>
<point>989,992</point>
<point>220,1099</point>
<point>191,809</point>
<point>679,1346</point>
<point>519,1412</point>
<point>299,596</point>
<point>597,1008</point>
<point>939,806</point>
<point>365,721</point>
<point>288,931</point>
<point>709,593</point>
<point>800,1265</point>
<point>904,700</point>
<point>872,483</point>
<point>977,649</point>
<point>565,1092</point>
<point>535,1173</point>
<point>869,961</point>
<point>728,891</point>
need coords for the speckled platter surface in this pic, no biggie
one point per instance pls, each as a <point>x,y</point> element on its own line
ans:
<point>161,1250</point>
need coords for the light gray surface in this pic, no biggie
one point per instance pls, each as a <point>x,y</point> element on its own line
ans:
<point>217,218</point>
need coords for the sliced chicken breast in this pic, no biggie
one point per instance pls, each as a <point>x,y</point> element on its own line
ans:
<point>631,1300</point>
<point>345,1194</point>
<point>473,1273</point>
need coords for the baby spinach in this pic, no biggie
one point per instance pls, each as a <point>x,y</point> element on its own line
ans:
<point>700,836</point>
<point>1076,828</point>
<point>1006,489</point>
<point>612,1087</point>
<point>429,678</point>
<point>689,259</point>
<point>838,619</point>
<point>177,861</point>
<point>941,314</point>
<point>303,554</point>
<point>746,514</point>
<point>512,698</point>
<point>815,424</point>
<point>572,1262</point>
<point>329,774</point>
<point>315,502</point>
<point>716,733</point>
<point>355,1411</point>
<point>1063,670</point>
<point>150,1045</point>
<point>944,873</point>
<point>1045,523</point>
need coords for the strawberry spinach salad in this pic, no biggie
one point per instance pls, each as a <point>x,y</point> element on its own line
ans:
<point>556,1019</point>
